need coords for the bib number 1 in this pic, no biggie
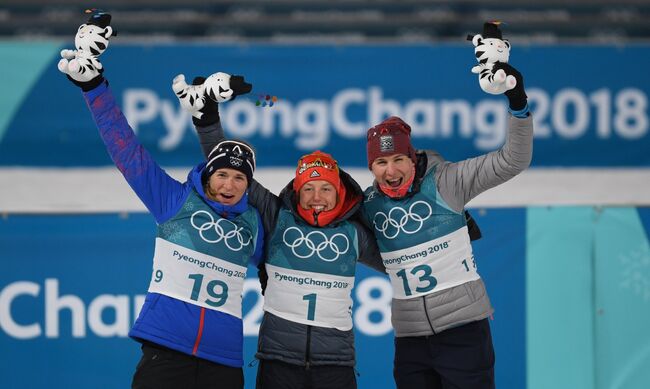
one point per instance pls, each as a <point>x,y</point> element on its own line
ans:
<point>425,281</point>
<point>311,308</point>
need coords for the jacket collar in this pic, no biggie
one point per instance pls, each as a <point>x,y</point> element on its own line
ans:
<point>353,198</point>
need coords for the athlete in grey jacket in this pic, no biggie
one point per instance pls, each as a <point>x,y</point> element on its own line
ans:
<point>416,209</point>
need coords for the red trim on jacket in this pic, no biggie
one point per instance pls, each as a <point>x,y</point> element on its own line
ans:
<point>198,336</point>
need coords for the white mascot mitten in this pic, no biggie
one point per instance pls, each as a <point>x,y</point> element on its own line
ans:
<point>201,99</point>
<point>489,49</point>
<point>82,65</point>
<point>191,97</point>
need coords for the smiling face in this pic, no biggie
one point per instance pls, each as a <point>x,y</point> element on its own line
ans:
<point>393,170</point>
<point>92,39</point>
<point>492,50</point>
<point>218,88</point>
<point>226,186</point>
<point>317,195</point>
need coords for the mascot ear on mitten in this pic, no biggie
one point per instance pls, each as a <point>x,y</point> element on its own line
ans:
<point>219,87</point>
<point>91,41</point>
<point>489,49</point>
<point>191,97</point>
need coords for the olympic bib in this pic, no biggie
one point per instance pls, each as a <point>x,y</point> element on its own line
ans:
<point>431,266</point>
<point>315,243</point>
<point>316,299</point>
<point>197,278</point>
<point>407,221</point>
<point>220,230</point>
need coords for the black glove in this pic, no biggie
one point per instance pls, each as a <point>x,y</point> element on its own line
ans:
<point>517,96</point>
<point>88,85</point>
<point>210,109</point>
<point>239,86</point>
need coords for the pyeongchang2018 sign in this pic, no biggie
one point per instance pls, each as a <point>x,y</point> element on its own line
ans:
<point>328,96</point>
<point>311,124</point>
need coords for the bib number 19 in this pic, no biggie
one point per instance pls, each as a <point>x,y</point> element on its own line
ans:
<point>216,289</point>
<point>425,281</point>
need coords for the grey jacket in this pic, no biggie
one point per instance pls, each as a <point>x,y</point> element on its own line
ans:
<point>458,183</point>
<point>281,339</point>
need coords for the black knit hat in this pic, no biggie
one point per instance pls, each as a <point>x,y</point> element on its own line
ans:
<point>491,30</point>
<point>98,18</point>
<point>231,154</point>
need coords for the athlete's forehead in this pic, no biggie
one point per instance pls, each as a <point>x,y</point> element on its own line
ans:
<point>391,158</point>
<point>317,184</point>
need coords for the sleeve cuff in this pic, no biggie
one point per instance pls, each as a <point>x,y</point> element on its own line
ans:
<point>521,114</point>
<point>93,93</point>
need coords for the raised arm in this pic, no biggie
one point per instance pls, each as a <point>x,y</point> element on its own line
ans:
<point>160,193</point>
<point>210,136</point>
<point>204,111</point>
<point>459,182</point>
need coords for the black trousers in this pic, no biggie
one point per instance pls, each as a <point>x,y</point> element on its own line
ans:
<point>458,358</point>
<point>279,375</point>
<point>163,368</point>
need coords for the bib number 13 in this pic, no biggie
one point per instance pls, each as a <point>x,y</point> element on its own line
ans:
<point>425,281</point>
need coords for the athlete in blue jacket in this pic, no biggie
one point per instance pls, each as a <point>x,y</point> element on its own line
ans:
<point>190,325</point>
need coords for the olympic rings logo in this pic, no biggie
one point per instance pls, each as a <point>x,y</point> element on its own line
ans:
<point>237,162</point>
<point>390,225</point>
<point>227,237</point>
<point>305,241</point>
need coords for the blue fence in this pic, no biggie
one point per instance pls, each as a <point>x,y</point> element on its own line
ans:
<point>71,286</point>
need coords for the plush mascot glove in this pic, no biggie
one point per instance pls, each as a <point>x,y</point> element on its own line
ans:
<point>201,99</point>
<point>191,97</point>
<point>82,65</point>
<point>516,96</point>
<point>222,87</point>
<point>490,49</point>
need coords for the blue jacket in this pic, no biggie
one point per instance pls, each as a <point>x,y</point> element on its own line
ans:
<point>191,329</point>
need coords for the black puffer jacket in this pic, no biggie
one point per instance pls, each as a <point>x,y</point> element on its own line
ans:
<point>297,343</point>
